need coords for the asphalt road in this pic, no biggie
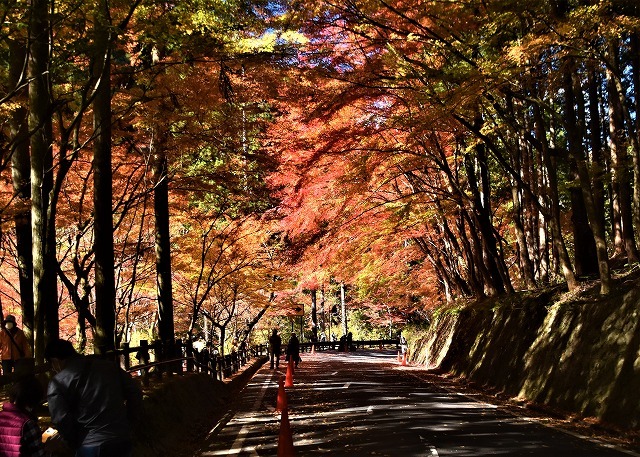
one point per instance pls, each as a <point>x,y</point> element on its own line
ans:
<point>365,403</point>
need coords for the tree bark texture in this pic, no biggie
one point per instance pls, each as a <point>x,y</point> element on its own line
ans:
<point>102,186</point>
<point>45,292</point>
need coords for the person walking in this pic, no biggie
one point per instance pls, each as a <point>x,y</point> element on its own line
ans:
<point>92,402</point>
<point>293,349</point>
<point>20,434</point>
<point>403,344</point>
<point>14,346</point>
<point>275,346</point>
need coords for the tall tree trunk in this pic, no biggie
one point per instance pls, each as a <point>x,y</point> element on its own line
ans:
<point>619,162</point>
<point>45,292</point>
<point>576,131</point>
<point>553,203</point>
<point>526,267</point>
<point>20,165</point>
<point>598,165</point>
<point>635,77</point>
<point>473,280</point>
<point>482,212</point>
<point>586,260</point>
<point>542,252</point>
<point>163,243</point>
<point>519,162</point>
<point>102,186</point>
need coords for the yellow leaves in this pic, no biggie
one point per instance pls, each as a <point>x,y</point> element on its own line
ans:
<point>412,37</point>
<point>517,54</point>
<point>293,36</point>
<point>269,41</point>
<point>7,108</point>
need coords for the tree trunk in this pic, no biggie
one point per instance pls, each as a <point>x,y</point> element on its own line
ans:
<point>482,212</point>
<point>550,202</point>
<point>163,244</point>
<point>102,187</point>
<point>635,76</point>
<point>20,164</point>
<point>625,241</point>
<point>598,165</point>
<point>45,292</point>
<point>584,244</point>
<point>474,276</point>
<point>526,267</point>
<point>520,160</point>
<point>595,239</point>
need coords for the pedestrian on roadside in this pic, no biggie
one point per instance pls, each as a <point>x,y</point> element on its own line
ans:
<point>275,347</point>
<point>342,347</point>
<point>14,346</point>
<point>349,342</point>
<point>293,350</point>
<point>92,401</point>
<point>20,434</point>
<point>403,343</point>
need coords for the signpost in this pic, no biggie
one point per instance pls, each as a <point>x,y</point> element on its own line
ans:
<point>296,310</point>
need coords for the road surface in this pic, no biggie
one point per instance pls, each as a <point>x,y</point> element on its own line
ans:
<point>365,403</point>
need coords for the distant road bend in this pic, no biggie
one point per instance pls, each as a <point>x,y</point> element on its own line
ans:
<point>365,403</point>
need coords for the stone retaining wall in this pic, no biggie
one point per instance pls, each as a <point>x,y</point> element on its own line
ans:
<point>579,355</point>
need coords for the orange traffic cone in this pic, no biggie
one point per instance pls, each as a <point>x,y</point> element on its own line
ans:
<point>281,403</point>
<point>289,380</point>
<point>313,348</point>
<point>404,359</point>
<point>285,440</point>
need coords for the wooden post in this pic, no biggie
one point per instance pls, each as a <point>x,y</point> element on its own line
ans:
<point>159,356</point>
<point>143,358</point>
<point>190,353</point>
<point>178,354</point>
<point>126,362</point>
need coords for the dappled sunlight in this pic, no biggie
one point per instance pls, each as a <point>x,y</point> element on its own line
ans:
<point>346,404</point>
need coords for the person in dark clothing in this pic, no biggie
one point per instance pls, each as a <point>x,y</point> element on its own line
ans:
<point>293,349</point>
<point>275,347</point>
<point>92,402</point>
<point>343,343</point>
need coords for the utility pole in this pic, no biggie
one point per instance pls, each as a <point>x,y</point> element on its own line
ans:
<point>345,327</point>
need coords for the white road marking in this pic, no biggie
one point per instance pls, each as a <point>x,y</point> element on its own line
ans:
<point>244,431</point>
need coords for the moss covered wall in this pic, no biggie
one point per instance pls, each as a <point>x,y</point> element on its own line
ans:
<point>581,355</point>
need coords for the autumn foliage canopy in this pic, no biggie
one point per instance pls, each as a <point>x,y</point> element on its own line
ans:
<point>204,169</point>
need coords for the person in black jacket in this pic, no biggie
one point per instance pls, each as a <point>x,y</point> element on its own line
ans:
<point>92,402</point>
<point>275,346</point>
<point>293,349</point>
